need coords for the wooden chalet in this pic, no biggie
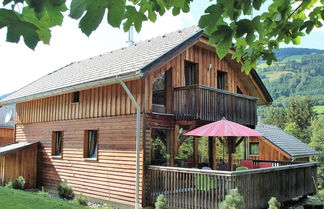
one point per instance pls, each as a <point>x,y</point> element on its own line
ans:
<point>7,124</point>
<point>89,115</point>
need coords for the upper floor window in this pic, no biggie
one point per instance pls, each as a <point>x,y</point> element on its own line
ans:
<point>90,144</point>
<point>191,73</point>
<point>159,90</point>
<point>76,97</point>
<point>222,80</point>
<point>254,148</point>
<point>57,143</point>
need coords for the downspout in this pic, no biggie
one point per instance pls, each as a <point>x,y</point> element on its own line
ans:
<point>138,139</point>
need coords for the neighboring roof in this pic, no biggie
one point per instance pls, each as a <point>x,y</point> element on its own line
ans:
<point>284,141</point>
<point>125,63</point>
<point>14,147</point>
<point>4,112</point>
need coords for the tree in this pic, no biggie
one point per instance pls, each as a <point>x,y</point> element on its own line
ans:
<point>317,142</point>
<point>225,21</point>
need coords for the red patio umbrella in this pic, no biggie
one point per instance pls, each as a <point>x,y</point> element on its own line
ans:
<point>224,128</point>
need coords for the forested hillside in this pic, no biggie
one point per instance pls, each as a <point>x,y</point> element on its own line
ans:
<point>299,72</point>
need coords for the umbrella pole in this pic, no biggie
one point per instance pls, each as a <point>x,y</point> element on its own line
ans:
<point>230,152</point>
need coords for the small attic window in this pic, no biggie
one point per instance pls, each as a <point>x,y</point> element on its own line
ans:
<point>76,97</point>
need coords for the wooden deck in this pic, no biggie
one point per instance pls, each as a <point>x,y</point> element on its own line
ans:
<point>209,104</point>
<point>206,189</point>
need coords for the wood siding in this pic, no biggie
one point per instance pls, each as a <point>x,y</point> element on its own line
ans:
<point>203,57</point>
<point>102,101</point>
<point>6,136</point>
<point>19,163</point>
<point>268,151</point>
<point>110,178</point>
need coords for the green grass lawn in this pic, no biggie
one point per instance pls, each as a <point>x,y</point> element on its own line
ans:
<point>15,199</point>
<point>319,109</point>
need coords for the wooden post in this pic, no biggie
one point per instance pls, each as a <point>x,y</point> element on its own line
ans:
<point>196,152</point>
<point>171,147</point>
<point>212,152</point>
<point>231,145</point>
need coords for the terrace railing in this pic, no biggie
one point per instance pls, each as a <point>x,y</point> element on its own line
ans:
<point>209,104</point>
<point>206,189</point>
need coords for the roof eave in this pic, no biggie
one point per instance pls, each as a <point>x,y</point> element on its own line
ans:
<point>262,86</point>
<point>78,87</point>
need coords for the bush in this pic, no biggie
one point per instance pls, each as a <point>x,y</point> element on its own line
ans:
<point>233,200</point>
<point>82,200</point>
<point>65,191</point>
<point>18,183</point>
<point>43,193</point>
<point>161,202</point>
<point>104,206</point>
<point>273,203</point>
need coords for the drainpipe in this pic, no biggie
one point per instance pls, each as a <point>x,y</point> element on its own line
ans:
<point>138,139</point>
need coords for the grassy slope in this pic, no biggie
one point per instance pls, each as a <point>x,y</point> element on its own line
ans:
<point>319,109</point>
<point>14,199</point>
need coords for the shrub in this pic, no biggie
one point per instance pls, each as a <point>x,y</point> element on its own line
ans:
<point>43,193</point>
<point>18,183</point>
<point>273,203</point>
<point>82,200</point>
<point>104,206</point>
<point>65,191</point>
<point>233,200</point>
<point>161,202</point>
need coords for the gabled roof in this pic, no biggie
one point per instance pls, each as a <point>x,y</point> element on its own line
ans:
<point>125,63</point>
<point>4,111</point>
<point>284,141</point>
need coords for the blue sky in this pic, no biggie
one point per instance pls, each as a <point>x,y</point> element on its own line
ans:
<point>21,66</point>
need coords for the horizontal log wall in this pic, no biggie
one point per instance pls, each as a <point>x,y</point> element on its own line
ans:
<point>6,136</point>
<point>96,102</point>
<point>19,163</point>
<point>111,178</point>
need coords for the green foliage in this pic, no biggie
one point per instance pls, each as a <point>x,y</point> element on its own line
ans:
<point>18,183</point>
<point>273,203</point>
<point>233,200</point>
<point>104,206</point>
<point>14,199</point>
<point>317,142</point>
<point>225,21</point>
<point>161,202</point>
<point>65,191</point>
<point>295,118</point>
<point>43,193</point>
<point>82,200</point>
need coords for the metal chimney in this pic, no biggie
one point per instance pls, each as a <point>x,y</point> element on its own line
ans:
<point>131,36</point>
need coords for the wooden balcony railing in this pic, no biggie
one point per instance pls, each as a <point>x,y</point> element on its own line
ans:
<point>206,189</point>
<point>209,104</point>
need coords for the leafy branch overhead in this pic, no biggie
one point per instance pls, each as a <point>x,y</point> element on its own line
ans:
<point>234,26</point>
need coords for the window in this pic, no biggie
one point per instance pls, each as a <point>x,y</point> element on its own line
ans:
<point>76,97</point>
<point>57,143</point>
<point>90,144</point>
<point>159,90</point>
<point>254,148</point>
<point>191,73</point>
<point>222,80</point>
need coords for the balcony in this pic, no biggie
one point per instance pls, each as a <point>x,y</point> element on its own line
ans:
<point>208,104</point>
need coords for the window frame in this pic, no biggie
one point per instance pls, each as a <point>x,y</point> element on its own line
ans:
<point>254,154</point>
<point>196,73</point>
<point>225,78</point>
<point>53,148</point>
<point>75,95</point>
<point>86,145</point>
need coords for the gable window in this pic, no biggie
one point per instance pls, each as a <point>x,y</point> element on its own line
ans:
<point>191,73</point>
<point>254,148</point>
<point>57,143</point>
<point>90,144</point>
<point>76,97</point>
<point>222,80</point>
